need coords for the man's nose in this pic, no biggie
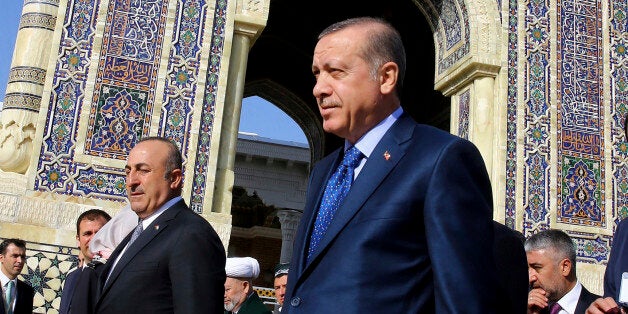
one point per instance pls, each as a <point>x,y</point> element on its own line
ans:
<point>321,88</point>
<point>131,178</point>
<point>532,275</point>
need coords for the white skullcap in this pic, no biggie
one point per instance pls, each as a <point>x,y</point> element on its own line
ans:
<point>242,267</point>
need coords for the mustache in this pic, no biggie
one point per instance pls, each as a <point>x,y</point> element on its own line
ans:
<point>327,103</point>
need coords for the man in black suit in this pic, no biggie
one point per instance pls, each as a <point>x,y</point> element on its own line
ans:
<point>12,260</point>
<point>512,269</point>
<point>177,262</point>
<point>87,224</point>
<point>552,269</point>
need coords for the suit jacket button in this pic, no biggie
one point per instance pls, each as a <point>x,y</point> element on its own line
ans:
<point>295,301</point>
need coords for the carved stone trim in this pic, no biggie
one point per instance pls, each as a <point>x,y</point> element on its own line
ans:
<point>464,76</point>
<point>38,20</point>
<point>22,101</point>
<point>27,74</point>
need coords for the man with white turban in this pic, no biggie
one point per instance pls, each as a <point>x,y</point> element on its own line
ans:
<point>240,297</point>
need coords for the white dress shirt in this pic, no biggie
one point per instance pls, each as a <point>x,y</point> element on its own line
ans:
<point>366,144</point>
<point>4,280</point>
<point>570,300</point>
<point>145,223</point>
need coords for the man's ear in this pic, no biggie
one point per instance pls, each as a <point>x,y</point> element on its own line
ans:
<point>246,286</point>
<point>565,267</point>
<point>388,74</point>
<point>176,178</point>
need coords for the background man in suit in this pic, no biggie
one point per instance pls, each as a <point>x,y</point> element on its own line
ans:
<point>87,224</point>
<point>280,283</point>
<point>12,260</point>
<point>616,267</point>
<point>552,270</point>
<point>414,232</point>
<point>239,294</point>
<point>176,262</point>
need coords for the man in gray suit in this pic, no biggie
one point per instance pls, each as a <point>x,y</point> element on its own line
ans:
<point>177,262</point>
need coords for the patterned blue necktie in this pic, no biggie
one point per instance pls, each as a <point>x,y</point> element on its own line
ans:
<point>337,188</point>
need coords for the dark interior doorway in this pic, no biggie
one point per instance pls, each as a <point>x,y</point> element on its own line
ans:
<point>283,53</point>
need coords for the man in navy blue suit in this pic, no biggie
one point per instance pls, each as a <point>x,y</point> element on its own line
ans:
<point>414,232</point>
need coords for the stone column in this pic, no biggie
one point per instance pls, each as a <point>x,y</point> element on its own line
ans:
<point>289,220</point>
<point>231,122</point>
<point>26,83</point>
<point>483,119</point>
<point>250,20</point>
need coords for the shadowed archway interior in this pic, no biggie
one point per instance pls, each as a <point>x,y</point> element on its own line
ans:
<point>283,55</point>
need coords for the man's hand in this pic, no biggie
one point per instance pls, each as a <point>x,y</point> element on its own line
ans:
<point>604,306</point>
<point>537,301</point>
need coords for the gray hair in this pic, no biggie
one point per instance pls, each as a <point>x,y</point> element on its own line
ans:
<point>384,45</point>
<point>556,241</point>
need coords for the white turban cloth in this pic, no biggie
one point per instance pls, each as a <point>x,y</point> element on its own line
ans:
<point>113,232</point>
<point>242,267</point>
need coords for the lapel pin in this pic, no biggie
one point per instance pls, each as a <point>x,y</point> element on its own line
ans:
<point>156,227</point>
<point>386,155</point>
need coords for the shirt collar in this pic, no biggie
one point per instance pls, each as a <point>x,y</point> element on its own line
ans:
<point>4,280</point>
<point>570,300</point>
<point>148,220</point>
<point>366,144</point>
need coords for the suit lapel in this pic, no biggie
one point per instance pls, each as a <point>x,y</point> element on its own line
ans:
<point>377,167</point>
<point>151,231</point>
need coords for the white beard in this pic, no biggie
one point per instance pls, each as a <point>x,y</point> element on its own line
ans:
<point>232,304</point>
<point>229,306</point>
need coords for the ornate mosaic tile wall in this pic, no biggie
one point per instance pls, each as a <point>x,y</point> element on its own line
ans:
<point>209,103</point>
<point>124,92</point>
<point>580,127</point>
<point>580,114</point>
<point>464,102</point>
<point>511,115</point>
<point>537,116</point>
<point>618,84</point>
<point>453,41</point>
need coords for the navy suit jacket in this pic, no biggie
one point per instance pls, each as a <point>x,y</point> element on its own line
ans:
<point>618,261</point>
<point>176,265</point>
<point>24,301</point>
<point>68,290</point>
<point>413,235</point>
